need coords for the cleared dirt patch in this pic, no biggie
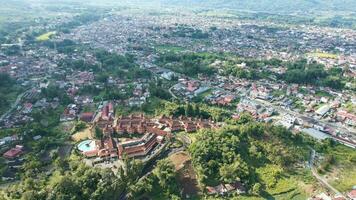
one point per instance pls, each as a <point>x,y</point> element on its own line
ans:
<point>178,159</point>
<point>82,135</point>
<point>186,174</point>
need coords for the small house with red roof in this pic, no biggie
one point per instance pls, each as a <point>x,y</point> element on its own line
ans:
<point>14,152</point>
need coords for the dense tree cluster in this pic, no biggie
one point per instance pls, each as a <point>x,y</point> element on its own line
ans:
<point>193,110</point>
<point>255,69</point>
<point>185,31</point>
<point>190,64</point>
<point>66,46</point>
<point>78,20</point>
<point>302,72</point>
<point>8,91</point>
<point>122,66</point>
<point>157,90</point>
<point>244,152</point>
<point>53,91</point>
<point>72,179</point>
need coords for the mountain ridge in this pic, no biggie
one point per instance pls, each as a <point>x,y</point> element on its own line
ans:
<point>276,6</point>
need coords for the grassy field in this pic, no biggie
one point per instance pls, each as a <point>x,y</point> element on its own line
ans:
<point>82,135</point>
<point>342,174</point>
<point>350,107</point>
<point>169,48</point>
<point>323,55</point>
<point>321,93</point>
<point>297,184</point>
<point>45,36</point>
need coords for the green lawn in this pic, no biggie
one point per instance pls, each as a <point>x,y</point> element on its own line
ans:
<point>323,94</point>
<point>45,36</point>
<point>342,174</point>
<point>168,47</point>
<point>323,55</point>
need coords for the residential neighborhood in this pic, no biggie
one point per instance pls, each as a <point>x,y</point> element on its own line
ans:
<point>122,100</point>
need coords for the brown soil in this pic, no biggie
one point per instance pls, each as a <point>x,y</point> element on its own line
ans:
<point>82,135</point>
<point>186,174</point>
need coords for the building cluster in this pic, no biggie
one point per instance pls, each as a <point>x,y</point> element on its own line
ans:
<point>240,37</point>
<point>258,111</point>
<point>135,135</point>
<point>223,189</point>
<point>327,196</point>
<point>188,89</point>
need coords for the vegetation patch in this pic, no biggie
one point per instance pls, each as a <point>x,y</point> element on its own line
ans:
<point>82,135</point>
<point>255,154</point>
<point>45,36</point>
<point>323,55</point>
<point>341,170</point>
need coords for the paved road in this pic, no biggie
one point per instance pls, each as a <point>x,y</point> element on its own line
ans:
<point>282,110</point>
<point>170,91</point>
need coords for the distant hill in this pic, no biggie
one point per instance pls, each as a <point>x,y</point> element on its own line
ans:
<point>273,6</point>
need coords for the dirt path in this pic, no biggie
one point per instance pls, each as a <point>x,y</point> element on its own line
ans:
<point>321,179</point>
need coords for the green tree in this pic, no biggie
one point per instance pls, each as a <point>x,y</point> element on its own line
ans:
<point>166,175</point>
<point>98,133</point>
<point>257,189</point>
<point>189,112</point>
<point>237,171</point>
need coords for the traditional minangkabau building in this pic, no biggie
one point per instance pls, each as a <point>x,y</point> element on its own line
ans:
<point>153,131</point>
<point>133,124</point>
<point>139,147</point>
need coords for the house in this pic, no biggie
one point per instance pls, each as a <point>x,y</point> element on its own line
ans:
<point>211,190</point>
<point>8,139</point>
<point>189,126</point>
<point>192,86</point>
<point>352,194</point>
<point>135,123</point>
<point>315,133</point>
<point>167,75</point>
<point>108,148</point>
<point>222,189</point>
<point>27,108</point>
<point>14,152</point>
<point>138,147</point>
<point>107,111</point>
<point>323,110</point>
<point>37,137</point>
<point>203,124</point>
<point>69,113</point>
<point>87,117</point>
<point>321,196</point>
<point>287,121</point>
<point>348,118</point>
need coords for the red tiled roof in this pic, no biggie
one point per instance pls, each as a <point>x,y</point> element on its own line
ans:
<point>12,153</point>
<point>352,194</point>
<point>87,116</point>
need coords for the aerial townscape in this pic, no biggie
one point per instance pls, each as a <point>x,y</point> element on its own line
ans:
<point>171,100</point>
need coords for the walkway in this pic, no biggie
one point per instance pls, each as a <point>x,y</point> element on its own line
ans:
<point>321,179</point>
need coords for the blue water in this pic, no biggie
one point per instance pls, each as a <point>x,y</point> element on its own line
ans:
<point>87,145</point>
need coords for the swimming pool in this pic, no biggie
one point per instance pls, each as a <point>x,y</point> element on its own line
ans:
<point>87,145</point>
